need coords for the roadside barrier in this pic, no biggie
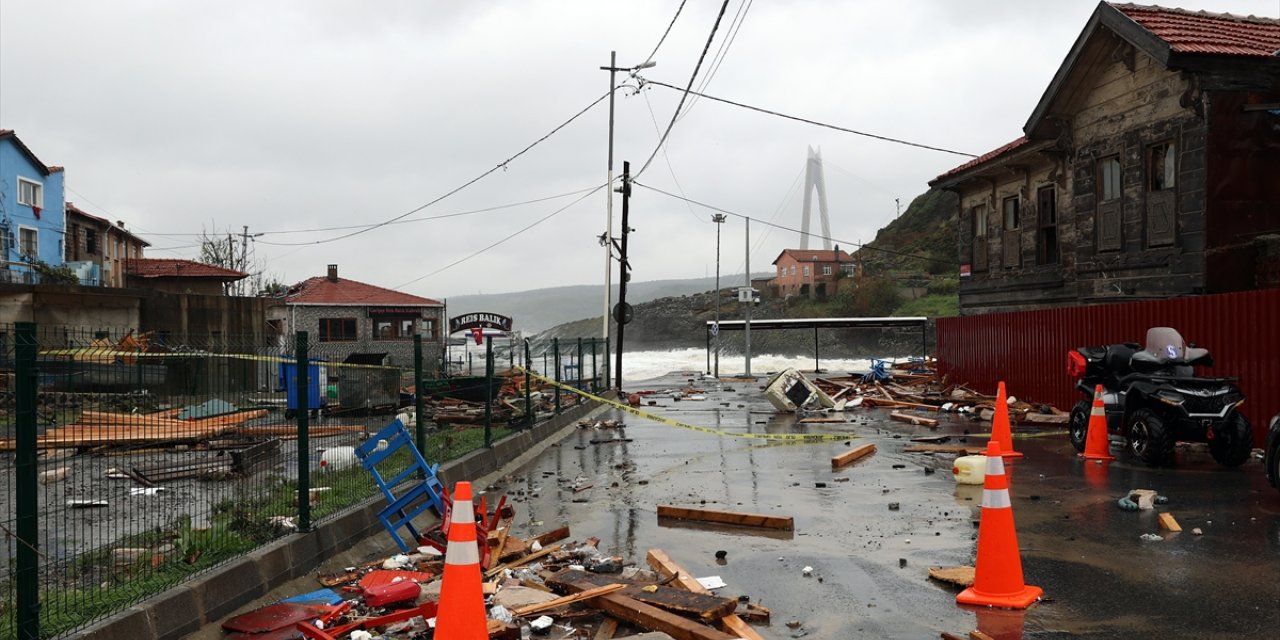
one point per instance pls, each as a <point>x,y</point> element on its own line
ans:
<point>788,437</point>
<point>1001,432</point>
<point>1097,446</point>
<point>998,569</point>
<point>461,614</point>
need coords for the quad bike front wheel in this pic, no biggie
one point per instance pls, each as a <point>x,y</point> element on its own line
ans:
<point>1148,439</point>
<point>1078,425</point>
<point>1232,442</point>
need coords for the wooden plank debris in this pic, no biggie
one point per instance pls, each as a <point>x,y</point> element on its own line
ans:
<point>960,576</point>
<point>727,517</point>
<point>666,567</point>
<point>852,455</point>
<point>910,419</point>
<point>650,617</point>
<point>551,604</point>
<point>1168,522</point>
<point>522,561</point>
<point>546,538</point>
<point>705,606</point>
<point>607,629</point>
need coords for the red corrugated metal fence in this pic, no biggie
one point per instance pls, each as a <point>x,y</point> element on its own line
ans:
<point>1028,349</point>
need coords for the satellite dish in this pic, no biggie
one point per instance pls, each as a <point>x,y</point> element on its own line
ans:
<point>622,313</point>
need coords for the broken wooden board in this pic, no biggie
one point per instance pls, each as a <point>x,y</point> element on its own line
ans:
<point>960,576</point>
<point>852,455</point>
<point>666,567</point>
<point>727,517</point>
<point>522,561</point>
<point>648,616</point>
<point>910,419</point>
<point>1168,522</point>
<point>607,629</point>
<point>551,604</point>
<point>702,605</point>
<point>546,538</point>
<point>962,449</point>
<point>1044,418</point>
<point>932,439</point>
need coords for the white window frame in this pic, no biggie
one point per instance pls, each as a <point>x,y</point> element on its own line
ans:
<point>21,245</point>
<point>39,191</point>
<point>826,269</point>
<point>806,271</point>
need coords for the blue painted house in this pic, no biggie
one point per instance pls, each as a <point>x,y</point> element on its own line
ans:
<point>32,215</point>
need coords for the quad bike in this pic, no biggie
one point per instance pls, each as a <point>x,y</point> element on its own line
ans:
<point>1153,398</point>
<point>1273,452</point>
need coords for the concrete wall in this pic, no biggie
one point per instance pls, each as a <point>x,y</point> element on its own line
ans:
<point>212,596</point>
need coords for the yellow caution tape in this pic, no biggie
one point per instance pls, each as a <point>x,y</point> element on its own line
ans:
<point>783,437</point>
<point>108,356</point>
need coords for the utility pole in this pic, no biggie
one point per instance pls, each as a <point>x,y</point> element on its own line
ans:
<point>719,219</point>
<point>624,270</point>
<point>244,257</point>
<point>750,301</point>
<point>607,240</point>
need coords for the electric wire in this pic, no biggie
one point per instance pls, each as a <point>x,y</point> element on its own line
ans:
<point>500,165</point>
<point>504,239</point>
<point>908,143</point>
<point>734,27</point>
<point>685,96</point>
<point>658,129</point>
<point>785,228</point>
<point>665,33</point>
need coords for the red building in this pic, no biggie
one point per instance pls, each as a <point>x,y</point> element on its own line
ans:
<point>804,272</point>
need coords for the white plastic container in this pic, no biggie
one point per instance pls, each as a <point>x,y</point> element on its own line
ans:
<point>970,469</point>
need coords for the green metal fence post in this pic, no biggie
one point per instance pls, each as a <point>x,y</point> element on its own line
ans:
<point>27,507</point>
<point>595,382</point>
<point>304,447</point>
<point>608,380</point>
<point>528,388</point>
<point>488,391</point>
<point>555,362</point>
<point>419,408</point>
<point>578,371</point>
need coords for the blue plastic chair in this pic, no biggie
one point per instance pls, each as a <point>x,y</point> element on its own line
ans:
<point>410,491</point>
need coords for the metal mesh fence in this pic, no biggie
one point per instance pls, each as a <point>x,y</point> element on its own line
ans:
<point>130,462</point>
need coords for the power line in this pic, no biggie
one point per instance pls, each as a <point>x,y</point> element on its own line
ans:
<point>495,244</point>
<point>734,27</point>
<point>644,81</point>
<point>685,96</point>
<point>785,228</point>
<point>657,129</point>
<point>664,34</point>
<point>500,165</point>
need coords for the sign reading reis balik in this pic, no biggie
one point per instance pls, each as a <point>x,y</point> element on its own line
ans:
<point>481,320</point>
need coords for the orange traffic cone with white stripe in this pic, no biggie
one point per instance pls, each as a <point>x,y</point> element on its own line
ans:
<point>461,614</point>
<point>1001,432</point>
<point>997,580</point>
<point>1097,446</point>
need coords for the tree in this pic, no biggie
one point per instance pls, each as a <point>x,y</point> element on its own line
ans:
<point>231,251</point>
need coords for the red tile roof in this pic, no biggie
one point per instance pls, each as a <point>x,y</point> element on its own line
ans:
<point>1208,33</point>
<point>323,291</point>
<point>175,268</point>
<point>983,159</point>
<point>808,255</point>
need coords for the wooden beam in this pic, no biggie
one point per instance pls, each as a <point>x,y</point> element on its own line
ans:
<point>551,604</point>
<point>607,629</point>
<point>727,517</point>
<point>546,538</point>
<point>494,553</point>
<point>978,635</point>
<point>917,420</point>
<point>666,567</point>
<point>853,454</point>
<point>706,606</point>
<point>522,561</point>
<point>650,617</point>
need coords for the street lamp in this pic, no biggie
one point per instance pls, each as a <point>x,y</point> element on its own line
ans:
<point>613,68</point>
<point>719,219</point>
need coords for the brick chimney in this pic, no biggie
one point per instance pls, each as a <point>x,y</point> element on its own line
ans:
<point>333,273</point>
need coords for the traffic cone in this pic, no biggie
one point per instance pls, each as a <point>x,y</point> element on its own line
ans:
<point>1096,444</point>
<point>1000,430</point>
<point>997,578</point>
<point>461,613</point>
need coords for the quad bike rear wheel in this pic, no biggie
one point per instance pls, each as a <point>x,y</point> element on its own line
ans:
<point>1232,442</point>
<point>1078,425</point>
<point>1148,439</point>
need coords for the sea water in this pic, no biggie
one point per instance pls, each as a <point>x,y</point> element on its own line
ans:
<point>646,365</point>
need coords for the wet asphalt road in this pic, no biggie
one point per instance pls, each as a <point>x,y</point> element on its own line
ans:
<point>1100,579</point>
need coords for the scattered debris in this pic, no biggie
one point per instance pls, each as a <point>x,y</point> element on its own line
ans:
<point>1168,522</point>
<point>727,517</point>
<point>959,576</point>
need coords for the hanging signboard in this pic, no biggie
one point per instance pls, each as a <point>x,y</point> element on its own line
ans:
<point>479,320</point>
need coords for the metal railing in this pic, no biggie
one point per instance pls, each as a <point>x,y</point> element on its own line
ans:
<point>130,462</point>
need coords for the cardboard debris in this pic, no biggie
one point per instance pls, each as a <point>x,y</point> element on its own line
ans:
<point>959,576</point>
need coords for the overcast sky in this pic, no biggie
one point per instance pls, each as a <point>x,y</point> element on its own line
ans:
<point>187,117</point>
